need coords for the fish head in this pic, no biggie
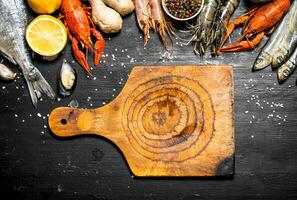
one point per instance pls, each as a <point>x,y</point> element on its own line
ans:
<point>263,61</point>
<point>279,57</point>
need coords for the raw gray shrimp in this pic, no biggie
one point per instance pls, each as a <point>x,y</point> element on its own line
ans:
<point>227,8</point>
<point>150,15</point>
<point>160,22</point>
<point>203,31</point>
<point>143,19</point>
<point>284,71</point>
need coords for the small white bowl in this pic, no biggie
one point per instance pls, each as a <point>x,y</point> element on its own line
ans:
<point>179,19</point>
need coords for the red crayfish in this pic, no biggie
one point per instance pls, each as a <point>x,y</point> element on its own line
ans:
<point>80,27</point>
<point>257,22</point>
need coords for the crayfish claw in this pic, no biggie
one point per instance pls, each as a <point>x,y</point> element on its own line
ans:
<point>99,45</point>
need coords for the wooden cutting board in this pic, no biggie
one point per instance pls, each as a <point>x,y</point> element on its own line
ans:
<point>167,121</point>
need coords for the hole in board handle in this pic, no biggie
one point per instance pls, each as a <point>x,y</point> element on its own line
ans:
<point>63,121</point>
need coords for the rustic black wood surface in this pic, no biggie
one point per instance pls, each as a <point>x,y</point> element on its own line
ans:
<point>36,165</point>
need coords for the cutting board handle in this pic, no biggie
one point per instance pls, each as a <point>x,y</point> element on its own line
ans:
<point>65,122</point>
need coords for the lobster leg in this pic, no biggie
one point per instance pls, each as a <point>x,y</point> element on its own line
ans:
<point>244,45</point>
<point>87,8</point>
<point>99,45</point>
<point>61,17</point>
<point>243,19</point>
<point>78,54</point>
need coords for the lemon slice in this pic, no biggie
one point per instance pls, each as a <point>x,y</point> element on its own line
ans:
<point>46,35</point>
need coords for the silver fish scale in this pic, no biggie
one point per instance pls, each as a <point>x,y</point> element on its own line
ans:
<point>13,22</point>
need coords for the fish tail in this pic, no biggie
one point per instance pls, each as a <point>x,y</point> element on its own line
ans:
<point>37,85</point>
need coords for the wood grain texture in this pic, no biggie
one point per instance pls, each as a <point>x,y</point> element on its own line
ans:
<point>167,121</point>
<point>34,164</point>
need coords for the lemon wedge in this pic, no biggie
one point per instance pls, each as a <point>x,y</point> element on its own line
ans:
<point>44,6</point>
<point>46,36</point>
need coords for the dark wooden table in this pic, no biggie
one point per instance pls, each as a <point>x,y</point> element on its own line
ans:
<point>36,165</point>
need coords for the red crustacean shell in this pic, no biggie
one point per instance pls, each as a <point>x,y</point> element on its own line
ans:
<point>266,17</point>
<point>77,21</point>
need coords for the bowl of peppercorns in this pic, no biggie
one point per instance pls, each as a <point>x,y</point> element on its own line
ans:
<point>182,10</point>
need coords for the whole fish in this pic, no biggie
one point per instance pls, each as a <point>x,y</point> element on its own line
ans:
<point>286,69</point>
<point>289,43</point>
<point>13,23</point>
<point>281,44</point>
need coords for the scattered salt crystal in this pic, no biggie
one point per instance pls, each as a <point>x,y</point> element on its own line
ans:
<point>73,104</point>
<point>38,114</point>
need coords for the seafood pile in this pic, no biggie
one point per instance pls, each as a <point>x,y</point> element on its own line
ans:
<point>210,29</point>
<point>80,23</point>
<point>150,15</point>
<point>281,50</point>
